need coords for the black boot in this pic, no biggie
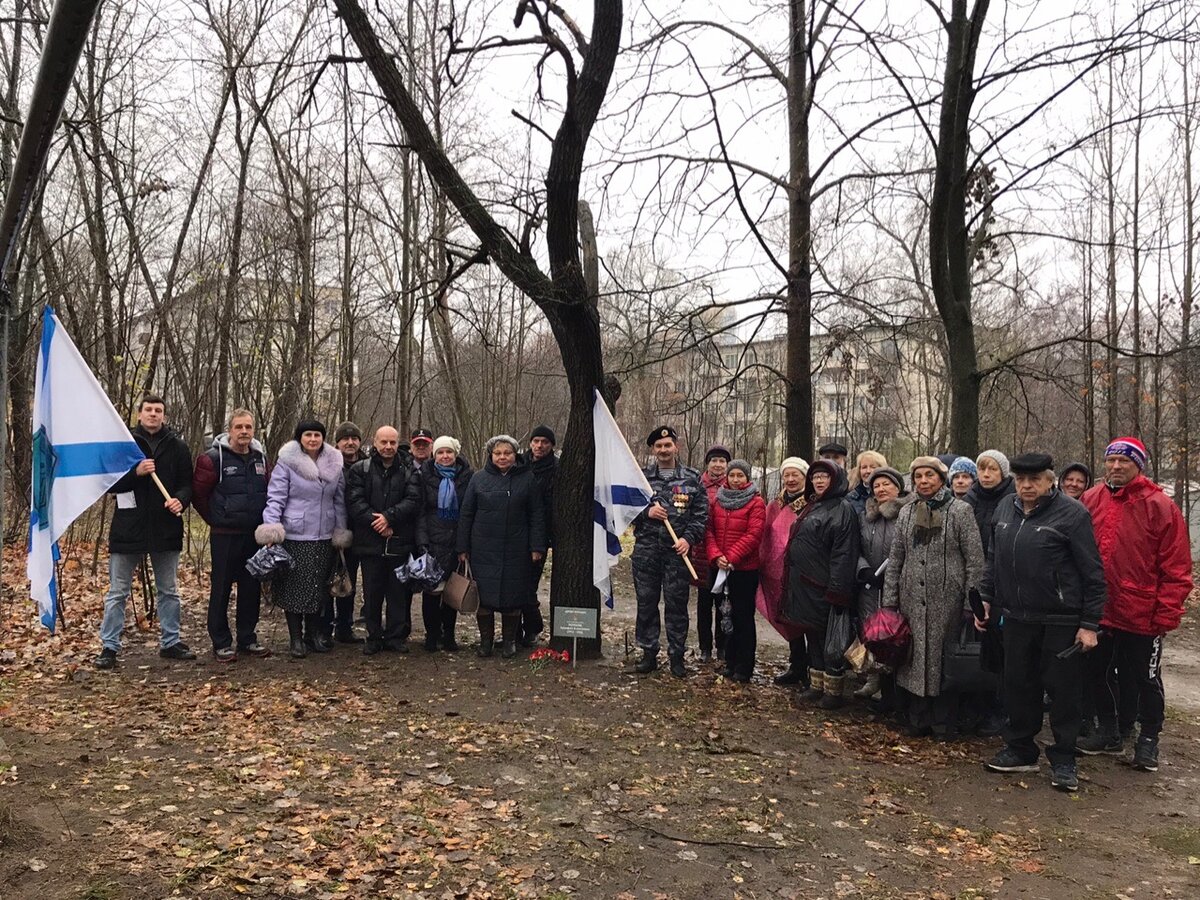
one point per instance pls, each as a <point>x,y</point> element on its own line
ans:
<point>509,625</point>
<point>449,621</point>
<point>648,663</point>
<point>678,669</point>
<point>295,623</point>
<point>315,638</point>
<point>487,634</point>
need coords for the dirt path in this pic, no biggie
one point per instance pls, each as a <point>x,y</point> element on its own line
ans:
<point>447,776</point>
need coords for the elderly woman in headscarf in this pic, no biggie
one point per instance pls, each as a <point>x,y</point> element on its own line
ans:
<point>780,514</point>
<point>935,562</point>
<point>306,512</point>
<point>877,530</point>
<point>735,530</point>
<point>821,561</point>
<point>866,463</point>
<point>501,533</point>
<point>441,483</point>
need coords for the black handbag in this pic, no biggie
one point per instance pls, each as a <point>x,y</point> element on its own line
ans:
<point>962,671</point>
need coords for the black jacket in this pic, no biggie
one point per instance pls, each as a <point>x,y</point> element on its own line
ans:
<point>439,536</point>
<point>822,556</point>
<point>545,470</point>
<point>372,488</point>
<point>501,522</point>
<point>147,526</point>
<point>1044,567</point>
<point>686,503</point>
<point>984,501</point>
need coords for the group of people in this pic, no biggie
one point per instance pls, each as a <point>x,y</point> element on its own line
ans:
<point>1021,586</point>
<point>336,511</point>
<point>1061,590</point>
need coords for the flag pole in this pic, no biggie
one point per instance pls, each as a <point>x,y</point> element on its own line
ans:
<point>686,561</point>
<point>165,493</point>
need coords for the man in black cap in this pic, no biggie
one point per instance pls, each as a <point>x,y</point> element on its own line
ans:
<point>420,448</point>
<point>658,561</point>
<point>835,452</point>
<point>1044,577</point>
<point>544,465</point>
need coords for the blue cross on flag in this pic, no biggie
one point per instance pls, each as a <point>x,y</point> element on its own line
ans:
<point>81,448</point>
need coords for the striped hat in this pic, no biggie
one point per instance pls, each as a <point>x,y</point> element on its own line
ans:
<point>1131,447</point>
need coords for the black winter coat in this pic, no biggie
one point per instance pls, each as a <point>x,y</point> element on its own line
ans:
<point>501,522</point>
<point>373,488</point>
<point>545,470</point>
<point>147,526</point>
<point>822,557</point>
<point>1044,567</point>
<point>439,536</point>
<point>985,501</point>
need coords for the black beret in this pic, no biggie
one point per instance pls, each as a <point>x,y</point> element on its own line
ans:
<point>662,431</point>
<point>1031,463</point>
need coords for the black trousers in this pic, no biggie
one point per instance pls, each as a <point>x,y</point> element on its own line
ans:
<point>742,644</point>
<point>387,604</point>
<point>1126,680</point>
<point>229,555</point>
<point>338,612</point>
<point>440,619</point>
<point>532,621</point>
<point>1031,670</point>
<point>708,621</point>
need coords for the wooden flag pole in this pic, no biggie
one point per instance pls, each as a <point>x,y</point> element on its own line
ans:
<point>167,496</point>
<point>687,562</point>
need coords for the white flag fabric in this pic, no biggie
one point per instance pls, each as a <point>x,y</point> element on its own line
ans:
<point>621,492</point>
<point>81,448</point>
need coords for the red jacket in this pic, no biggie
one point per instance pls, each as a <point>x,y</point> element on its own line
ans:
<point>736,534</point>
<point>1147,556</point>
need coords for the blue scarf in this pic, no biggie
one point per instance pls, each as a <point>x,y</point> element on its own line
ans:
<point>447,493</point>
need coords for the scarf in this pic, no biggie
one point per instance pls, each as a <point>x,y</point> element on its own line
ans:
<point>795,501</point>
<point>731,499</point>
<point>929,516</point>
<point>447,492</point>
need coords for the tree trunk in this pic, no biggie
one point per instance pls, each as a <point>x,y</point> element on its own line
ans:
<point>798,366</point>
<point>949,243</point>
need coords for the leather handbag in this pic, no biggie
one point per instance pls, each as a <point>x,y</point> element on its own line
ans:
<point>461,591</point>
<point>340,584</point>
<point>962,670</point>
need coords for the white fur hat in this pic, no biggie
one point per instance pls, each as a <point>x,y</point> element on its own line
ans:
<point>445,441</point>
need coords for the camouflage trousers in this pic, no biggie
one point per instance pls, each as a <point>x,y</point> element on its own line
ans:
<point>659,571</point>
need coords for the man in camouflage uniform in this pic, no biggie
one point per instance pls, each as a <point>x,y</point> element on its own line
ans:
<point>658,562</point>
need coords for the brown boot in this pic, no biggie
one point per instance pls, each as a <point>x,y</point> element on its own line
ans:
<point>816,687</point>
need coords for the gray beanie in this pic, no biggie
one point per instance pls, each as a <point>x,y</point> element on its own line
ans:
<point>741,464</point>
<point>999,459</point>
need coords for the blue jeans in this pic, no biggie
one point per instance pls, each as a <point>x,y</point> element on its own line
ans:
<point>120,585</point>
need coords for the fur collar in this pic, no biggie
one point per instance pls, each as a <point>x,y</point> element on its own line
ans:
<point>888,510</point>
<point>328,466</point>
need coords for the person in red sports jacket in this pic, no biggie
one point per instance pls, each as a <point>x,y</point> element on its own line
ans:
<point>1147,558</point>
<point>736,524</point>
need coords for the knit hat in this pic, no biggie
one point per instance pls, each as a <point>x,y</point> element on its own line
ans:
<point>743,466</point>
<point>890,474</point>
<point>308,425</point>
<point>962,466</point>
<point>717,450</point>
<point>500,439</point>
<point>794,462</point>
<point>543,431</point>
<point>1131,447</point>
<point>1032,463</point>
<point>345,430</point>
<point>998,458</point>
<point>929,462</point>
<point>445,441</point>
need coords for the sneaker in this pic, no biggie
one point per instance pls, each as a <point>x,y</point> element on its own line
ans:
<point>1008,760</point>
<point>177,651</point>
<point>1063,777</point>
<point>107,659</point>
<point>1101,742</point>
<point>257,649</point>
<point>1145,754</point>
<point>225,654</point>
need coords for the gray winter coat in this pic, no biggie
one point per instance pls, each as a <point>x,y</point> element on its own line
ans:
<point>930,585</point>
<point>877,528</point>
